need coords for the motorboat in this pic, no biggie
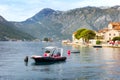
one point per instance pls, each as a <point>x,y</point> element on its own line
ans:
<point>55,55</point>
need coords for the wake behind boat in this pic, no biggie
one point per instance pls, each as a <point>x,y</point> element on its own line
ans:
<point>51,54</point>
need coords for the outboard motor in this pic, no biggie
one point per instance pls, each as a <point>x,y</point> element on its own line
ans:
<point>26,59</point>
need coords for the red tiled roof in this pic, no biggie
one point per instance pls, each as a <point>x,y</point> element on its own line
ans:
<point>74,32</point>
<point>103,30</point>
<point>116,25</point>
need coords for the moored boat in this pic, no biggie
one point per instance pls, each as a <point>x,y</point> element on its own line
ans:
<point>97,46</point>
<point>75,51</point>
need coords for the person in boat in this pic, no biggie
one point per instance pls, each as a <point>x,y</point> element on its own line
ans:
<point>57,54</point>
<point>46,54</point>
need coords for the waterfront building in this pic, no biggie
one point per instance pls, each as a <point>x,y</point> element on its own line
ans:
<point>113,30</point>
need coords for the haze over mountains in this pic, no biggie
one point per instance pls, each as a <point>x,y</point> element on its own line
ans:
<point>61,24</point>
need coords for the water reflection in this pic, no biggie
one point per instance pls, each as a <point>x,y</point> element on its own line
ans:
<point>43,69</point>
<point>111,54</point>
<point>46,63</point>
<point>110,57</point>
<point>26,63</point>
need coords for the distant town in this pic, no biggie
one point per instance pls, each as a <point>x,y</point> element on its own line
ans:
<point>109,36</point>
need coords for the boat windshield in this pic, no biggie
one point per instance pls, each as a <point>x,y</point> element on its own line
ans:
<point>53,50</point>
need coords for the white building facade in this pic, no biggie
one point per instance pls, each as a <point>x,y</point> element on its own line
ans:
<point>109,35</point>
<point>113,30</point>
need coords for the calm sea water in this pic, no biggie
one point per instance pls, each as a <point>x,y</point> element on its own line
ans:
<point>89,64</point>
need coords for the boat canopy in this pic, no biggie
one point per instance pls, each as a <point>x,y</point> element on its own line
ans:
<point>53,49</point>
<point>50,47</point>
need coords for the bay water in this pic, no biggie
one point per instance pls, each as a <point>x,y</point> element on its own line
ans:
<point>90,64</point>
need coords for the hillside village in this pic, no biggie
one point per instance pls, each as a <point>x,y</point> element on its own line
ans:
<point>106,34</point>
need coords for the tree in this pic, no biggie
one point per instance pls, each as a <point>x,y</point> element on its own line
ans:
<point>85,34</point>
<point>116,38</point>
<point>78,33</point>
<point>98,42</point>
<point>46,39</point>
<point>88,34</point>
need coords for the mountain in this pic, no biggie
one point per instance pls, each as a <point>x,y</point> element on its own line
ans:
<point>61,24</point>
<point>9,32</point>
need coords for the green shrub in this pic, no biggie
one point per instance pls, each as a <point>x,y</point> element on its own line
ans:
<point>98,42</point>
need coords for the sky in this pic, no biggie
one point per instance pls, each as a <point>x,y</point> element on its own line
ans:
<point>20,10</point>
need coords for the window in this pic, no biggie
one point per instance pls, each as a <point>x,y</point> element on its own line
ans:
<point>109,34</point>
<point>114,34</point>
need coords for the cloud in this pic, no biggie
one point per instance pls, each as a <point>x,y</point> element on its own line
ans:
<point>19,10</point>
<point>98,3</point>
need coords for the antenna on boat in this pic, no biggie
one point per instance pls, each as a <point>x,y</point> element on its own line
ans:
<point>61,52</point>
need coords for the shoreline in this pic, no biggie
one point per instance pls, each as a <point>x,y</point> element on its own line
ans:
<point>91,45</point>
